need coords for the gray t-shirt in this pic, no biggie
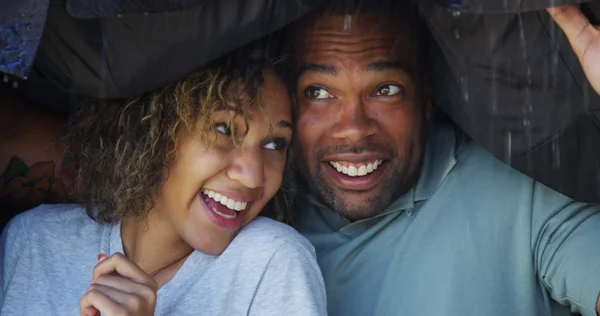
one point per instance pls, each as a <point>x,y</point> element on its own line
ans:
<point>47,256</point>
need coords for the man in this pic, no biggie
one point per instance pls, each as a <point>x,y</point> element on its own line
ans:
<point>410,217</point>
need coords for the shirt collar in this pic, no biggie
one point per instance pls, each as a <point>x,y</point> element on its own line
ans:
<point>440,158</point>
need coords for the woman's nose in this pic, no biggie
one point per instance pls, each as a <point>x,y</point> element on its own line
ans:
<point>248,168</point>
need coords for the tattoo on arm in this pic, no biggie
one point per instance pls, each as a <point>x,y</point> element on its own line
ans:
<point>23,187</point>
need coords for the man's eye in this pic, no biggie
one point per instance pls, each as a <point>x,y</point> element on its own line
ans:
<point>279,144</point>
<point>388,90</point>
<point>317,93</point>
<point>223,129</point>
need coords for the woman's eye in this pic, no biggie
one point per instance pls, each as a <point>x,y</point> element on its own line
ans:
<point>223,129</point>
<point>276,144</point>
<point>388,90</point>
<point>317,93</point>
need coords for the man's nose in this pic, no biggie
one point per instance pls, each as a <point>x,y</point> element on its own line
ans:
<point>248,167</point>
<point>354,123</point>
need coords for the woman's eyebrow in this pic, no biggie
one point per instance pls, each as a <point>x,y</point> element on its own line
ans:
<point>224,107</point>
<point>284,124</point>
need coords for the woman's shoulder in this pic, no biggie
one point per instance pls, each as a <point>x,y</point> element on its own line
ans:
<point>50,215</point>
<point>264,240</point>
<point>49,222</point>
<point>271,233</point>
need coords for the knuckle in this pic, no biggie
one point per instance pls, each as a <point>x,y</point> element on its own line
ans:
<point>93,293</point>
<point>120,311</point>
<point>148,293</point>
<point>153,285</point>
<point>135,302</point>
<point>93,288</point>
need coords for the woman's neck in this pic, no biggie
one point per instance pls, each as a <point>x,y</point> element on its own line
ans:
<point>154,246</point>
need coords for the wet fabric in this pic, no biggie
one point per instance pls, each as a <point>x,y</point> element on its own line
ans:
<point>472,237</point>
<point>503,71</point>
<point>513,83</point>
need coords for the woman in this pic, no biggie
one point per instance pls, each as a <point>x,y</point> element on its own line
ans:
<point>172,183</point>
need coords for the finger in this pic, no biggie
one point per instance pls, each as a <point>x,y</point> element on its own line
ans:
<point>89,311</point>
<point>576,27</point>
<point>124,267</point>
<point>102,256</point>
<point>127,286</point>
<point>99,299</point>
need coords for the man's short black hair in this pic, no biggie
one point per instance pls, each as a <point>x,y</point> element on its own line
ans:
<point>393,7</point>
<point>390,10</point>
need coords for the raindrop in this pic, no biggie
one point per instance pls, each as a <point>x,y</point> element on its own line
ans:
<point>555,153</point>
<point>456,34</point>
<point>455,14</point>
<point>15,84</point>
<point>464,87</point>
<point>119,16</point>
<point>508,147</point>
<point>146,13</point>
<point>5,79</point>
<point>348,23</point>
<point>523,42</point>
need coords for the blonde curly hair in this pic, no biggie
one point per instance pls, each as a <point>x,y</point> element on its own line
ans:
<point>125,148</point>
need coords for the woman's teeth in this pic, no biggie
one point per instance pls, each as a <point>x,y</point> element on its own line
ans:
<point>228,202</point>
<point>355,170</point>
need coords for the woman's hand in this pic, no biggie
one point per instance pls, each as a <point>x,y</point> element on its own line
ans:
<point>584,38</point>
<point>119,287</point>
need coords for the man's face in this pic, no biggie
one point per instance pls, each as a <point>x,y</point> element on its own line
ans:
<point>361,112</point>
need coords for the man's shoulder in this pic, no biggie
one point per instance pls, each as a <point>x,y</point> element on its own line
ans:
<point>479,170</point>
<point>473,158</point>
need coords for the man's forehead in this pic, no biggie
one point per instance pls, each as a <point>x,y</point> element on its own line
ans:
<point>327,39</point>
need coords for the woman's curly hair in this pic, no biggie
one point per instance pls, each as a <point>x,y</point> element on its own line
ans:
<point>124,148</point>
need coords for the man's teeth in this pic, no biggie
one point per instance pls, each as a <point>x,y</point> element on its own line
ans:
<point>356,170</point>
<point>228,202</point>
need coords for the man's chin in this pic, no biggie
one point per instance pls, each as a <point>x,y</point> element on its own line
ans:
<point>357,205</point>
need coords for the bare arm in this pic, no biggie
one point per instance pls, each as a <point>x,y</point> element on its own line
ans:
<point>33,169</point>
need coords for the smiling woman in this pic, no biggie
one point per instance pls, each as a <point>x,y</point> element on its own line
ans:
<point>173,183</point>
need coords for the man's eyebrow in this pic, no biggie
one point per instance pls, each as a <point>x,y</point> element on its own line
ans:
<point>387,65</point>
<point>318,68</point>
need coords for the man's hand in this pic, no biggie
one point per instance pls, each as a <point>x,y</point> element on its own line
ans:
<point>119,287</point>
<point>584,38</point>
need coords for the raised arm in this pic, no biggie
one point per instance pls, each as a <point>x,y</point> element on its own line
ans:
<point>585,41</point>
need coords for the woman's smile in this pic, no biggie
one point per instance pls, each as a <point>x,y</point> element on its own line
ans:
<point>224,210</point>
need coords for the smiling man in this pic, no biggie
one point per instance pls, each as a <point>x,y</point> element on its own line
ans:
<point>408,215</point>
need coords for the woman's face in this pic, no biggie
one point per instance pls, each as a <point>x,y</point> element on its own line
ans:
<point>215,189</point>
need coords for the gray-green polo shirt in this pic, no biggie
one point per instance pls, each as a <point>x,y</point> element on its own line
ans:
<point>473,237</point>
